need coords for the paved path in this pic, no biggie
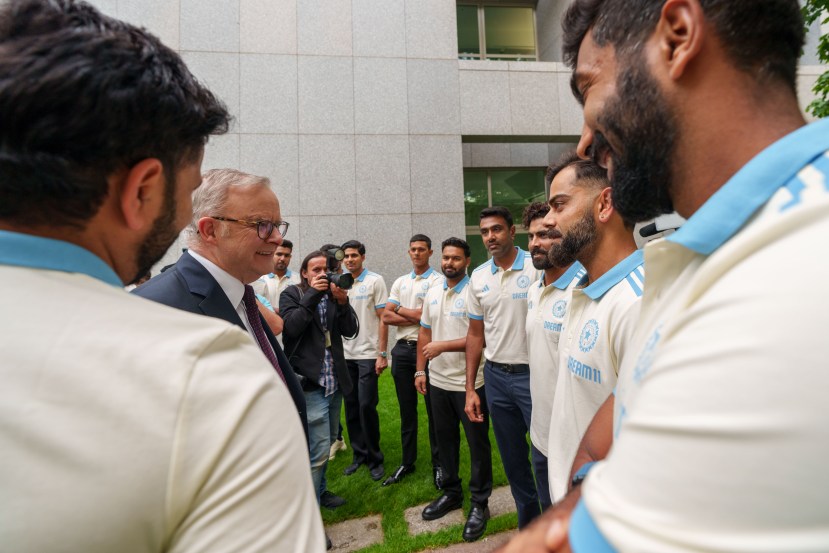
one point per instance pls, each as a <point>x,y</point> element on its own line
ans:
<point>355,534</point>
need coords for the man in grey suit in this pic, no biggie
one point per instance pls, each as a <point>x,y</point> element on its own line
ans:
<point>235,229</point>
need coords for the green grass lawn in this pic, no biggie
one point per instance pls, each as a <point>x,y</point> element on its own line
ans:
<point>366,497</point>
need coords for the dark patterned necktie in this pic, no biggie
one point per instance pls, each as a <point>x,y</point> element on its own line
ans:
<point>252,310</point>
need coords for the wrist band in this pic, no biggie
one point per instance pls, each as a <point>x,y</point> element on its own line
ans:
<point>420,373</point>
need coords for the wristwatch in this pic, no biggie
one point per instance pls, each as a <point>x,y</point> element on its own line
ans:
<point>383,354</point>
<point>397,308</point>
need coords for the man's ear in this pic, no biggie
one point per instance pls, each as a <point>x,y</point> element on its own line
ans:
<point>142,193</point>
<point>208,228</point>
<point>604,205</point>
<point>680,32</point>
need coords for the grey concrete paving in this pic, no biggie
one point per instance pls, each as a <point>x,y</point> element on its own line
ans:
<point>500,503</point>
<point>483,545</point>
<point>355,534</point>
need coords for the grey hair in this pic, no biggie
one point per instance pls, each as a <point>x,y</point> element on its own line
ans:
<point>210,198</point>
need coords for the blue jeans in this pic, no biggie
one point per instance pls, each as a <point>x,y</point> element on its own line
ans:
<point>323,423</point>
<point>510,406</point>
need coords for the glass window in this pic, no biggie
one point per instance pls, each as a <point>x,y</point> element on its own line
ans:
<point>516,189</point>
<point>509,30</point>
<point>475,195</point>
<point>469,46</point>
<point>513,189</point>
<point>496,32</point>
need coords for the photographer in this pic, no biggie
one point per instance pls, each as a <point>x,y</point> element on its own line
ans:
<point>317,316</point>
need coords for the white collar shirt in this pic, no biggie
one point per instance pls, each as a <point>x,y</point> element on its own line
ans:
<point>498,297</point>
<point>720,422</point>
<point>598,327</point>
<point>444,313</point>
<point>409,291</point>
<point>546,309</point>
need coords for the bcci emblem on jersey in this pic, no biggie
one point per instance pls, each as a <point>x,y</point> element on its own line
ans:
<point>589,335</point>
<point>559,308</point>
<point>459,303</point>
<point>523,281</point>
<point>363,289</point>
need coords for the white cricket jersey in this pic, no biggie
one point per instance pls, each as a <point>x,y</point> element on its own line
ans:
<point>366,296</point>
<point>722,421</point>
<point>499,299</point>
<point>272,285</point>
<point>127,425</point>
<point>444,312</point>
<point>597,332</point>
<point>546,308</point>
<point>409,291</point>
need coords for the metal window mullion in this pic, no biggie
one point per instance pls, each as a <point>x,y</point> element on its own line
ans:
<point>481,31</point>
<point>489,188</point>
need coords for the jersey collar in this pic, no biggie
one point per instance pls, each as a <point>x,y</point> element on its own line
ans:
<point>458,288</point>
<point>517,265</point>
<point>427,274</point>
<point>362,276</point>
<point>614,276</point>
<point>565,279</point>
<point>26,250</point>
<point>728,209</point>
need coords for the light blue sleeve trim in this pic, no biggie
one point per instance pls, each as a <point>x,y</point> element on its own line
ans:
<point>424,325</point>
<point>476,317</point>
<point>395,302</point>
<point>380,306</point>
<point>264,301</point>
<point>584,469</point>
<point>585,536</point>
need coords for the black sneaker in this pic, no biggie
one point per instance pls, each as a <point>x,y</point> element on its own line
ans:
<point>331,501</point>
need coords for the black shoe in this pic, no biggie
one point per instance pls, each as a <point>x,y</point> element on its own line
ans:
<point>377,472</point>
<point>475,522</point>
<point>331,501</point>
<point>441,506</point>
<point>352,468</point>
<point>328,544</point>
<point>398,474</point>
<point>439,476</point>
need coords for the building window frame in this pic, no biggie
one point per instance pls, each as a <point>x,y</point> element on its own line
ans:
<point>473,232</point>
<point>482,55</point>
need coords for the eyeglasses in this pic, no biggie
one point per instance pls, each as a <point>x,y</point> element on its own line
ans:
<point>263,228</point>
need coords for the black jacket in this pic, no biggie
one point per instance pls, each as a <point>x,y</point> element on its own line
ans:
<point>304,335</point>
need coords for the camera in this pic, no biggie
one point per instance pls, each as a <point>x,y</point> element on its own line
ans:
<point>333,257</point>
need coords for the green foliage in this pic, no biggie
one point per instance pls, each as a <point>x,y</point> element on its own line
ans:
<point>818,10</point>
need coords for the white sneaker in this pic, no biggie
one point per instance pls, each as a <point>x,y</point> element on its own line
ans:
<point>338,445</point>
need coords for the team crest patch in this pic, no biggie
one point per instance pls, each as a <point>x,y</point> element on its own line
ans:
<point>458,303</point>
<point>559,308</point>
<point>523,281</point>
<point>425,285</point>
<point>645,360</point>
<point>363,289</point>
<point>589,335</point>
